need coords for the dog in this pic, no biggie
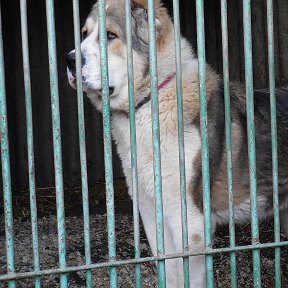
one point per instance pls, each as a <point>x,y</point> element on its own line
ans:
<point>119,106</point>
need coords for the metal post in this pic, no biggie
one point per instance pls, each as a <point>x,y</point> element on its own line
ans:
<point>29,123</point>
<point>204,138</point>
<point>5,160</point>
<point>56,139</point>
<point>181,141</point>
<point>133,141</point>
<point>274,141</point>
<point>156,142</point>
<point>107,142</point>
<point>81,124</point>
<point>225,52</point>
<point>251,138</point>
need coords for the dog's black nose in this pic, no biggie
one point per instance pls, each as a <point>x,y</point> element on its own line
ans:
<point>71,63</point>
<point>111,90</point>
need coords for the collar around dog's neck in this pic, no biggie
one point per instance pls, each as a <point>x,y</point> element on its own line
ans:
<point>148,98</point>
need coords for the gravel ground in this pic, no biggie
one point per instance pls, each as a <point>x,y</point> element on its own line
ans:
<point>126,274</point>
<point>75,251</point>
<point>47,225</point>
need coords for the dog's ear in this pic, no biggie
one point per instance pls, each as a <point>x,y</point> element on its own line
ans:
<point>144,3</point>
<point>140,14</point>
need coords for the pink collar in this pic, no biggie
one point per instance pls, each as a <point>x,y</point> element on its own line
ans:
<point>148,98</point>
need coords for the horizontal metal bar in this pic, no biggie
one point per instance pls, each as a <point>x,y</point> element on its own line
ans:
<point>141,260</point>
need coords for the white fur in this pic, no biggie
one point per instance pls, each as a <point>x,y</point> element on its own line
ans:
<point>170,187</point>
<point>169,155</point>
<point>117,68</point>
<point>91,71</point>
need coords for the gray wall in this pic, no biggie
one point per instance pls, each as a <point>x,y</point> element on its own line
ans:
<point>68,103</point>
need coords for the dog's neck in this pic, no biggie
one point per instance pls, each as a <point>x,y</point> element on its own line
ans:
<point>148,98</point>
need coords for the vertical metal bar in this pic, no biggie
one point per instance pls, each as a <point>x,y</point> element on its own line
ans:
<point>185,246</point>
<point>251,138</point>
<point>274,141</point>
<point>81,124</point>
<point>56,140</point>
<point>204,138</point>
<point>29,122</point>
<point>107,141</point>
<point>133,142</point>
<point>156,142</point>
<point>228,139</point>
<point>5,160</point>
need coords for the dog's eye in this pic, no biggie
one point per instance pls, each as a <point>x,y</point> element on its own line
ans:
<point>84,34</point>
<point>111,36</point>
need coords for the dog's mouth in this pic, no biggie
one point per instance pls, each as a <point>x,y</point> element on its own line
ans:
<point>100,92</point>
<point>71,78</point>
<point>86,84</point>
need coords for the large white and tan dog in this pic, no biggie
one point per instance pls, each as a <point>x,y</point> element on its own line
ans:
<point>118,84</point>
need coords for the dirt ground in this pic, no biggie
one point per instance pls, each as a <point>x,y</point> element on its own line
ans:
<point>47,225</point>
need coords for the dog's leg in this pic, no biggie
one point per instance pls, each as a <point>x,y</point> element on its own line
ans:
<point>173,240</point>
<point>147,211</point>
<point>284,221</point>
<point>172,265</point>
<point>195,242</point>
<point>172,214</point>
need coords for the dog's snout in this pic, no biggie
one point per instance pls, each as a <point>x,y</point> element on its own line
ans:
<point>111,90</point>
<point>71,63</point>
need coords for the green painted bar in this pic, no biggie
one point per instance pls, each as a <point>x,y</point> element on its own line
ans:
<point>177,34</point>
<point>107,142</point>
<point>251,138</point>
<point>274,141</point>
<point>56,139</point>
<point>82,145</point>
<point>30,144</point>
<point>141,260</point>
<point>204,138</point>
<point>5,160</point>
<point>156,142</point>
<point>225,52</point>
<point>136,221</point>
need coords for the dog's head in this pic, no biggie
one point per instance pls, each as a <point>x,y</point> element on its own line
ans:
<point>117,50</point>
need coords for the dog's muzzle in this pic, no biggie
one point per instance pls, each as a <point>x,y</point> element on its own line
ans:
<point>71,65</point>
<point>71,62</point>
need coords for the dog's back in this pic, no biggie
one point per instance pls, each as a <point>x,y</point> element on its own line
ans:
<point>264,170</point>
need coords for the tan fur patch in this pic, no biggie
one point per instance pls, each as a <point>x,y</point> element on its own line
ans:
<point>164,25</point>
<point>116,47</point>
<point>196,237</point>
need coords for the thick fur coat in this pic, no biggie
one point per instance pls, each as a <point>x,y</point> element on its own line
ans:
<point>167,96</point>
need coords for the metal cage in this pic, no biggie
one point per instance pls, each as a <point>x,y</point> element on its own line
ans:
<point>11,276</point>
